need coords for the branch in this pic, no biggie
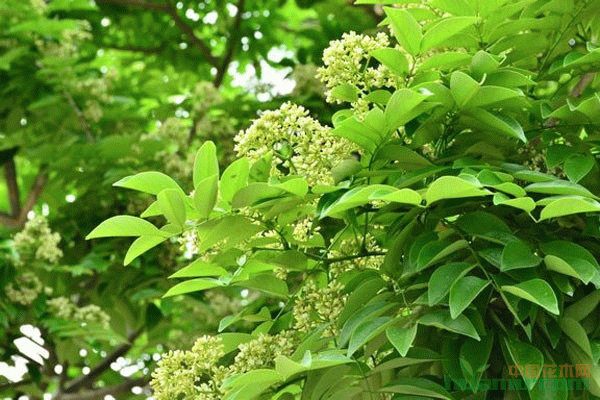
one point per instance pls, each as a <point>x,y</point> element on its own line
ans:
<point>17,221</point>
<point>181,24</point>
<point>14,385</point>
<point>232,44</point>
<point>80,117</point>
<point>10,173</point>
<point>577,91</point>
<point>121,388</point>
<point>87,380</point>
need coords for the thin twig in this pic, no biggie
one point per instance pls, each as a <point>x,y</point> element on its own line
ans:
<point>99,394</point>
<point>179,22</point>
<point>82,121</point>
<point>232,44</point>
<point>98,369</point>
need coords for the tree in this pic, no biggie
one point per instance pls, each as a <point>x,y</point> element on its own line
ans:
<point>94,92</point>
<point>440,241</point>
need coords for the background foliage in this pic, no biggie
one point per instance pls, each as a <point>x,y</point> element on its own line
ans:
<point>444,232</point>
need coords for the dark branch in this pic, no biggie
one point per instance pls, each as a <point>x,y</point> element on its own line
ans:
<point>80,117</point>
<point>232,44</point>
<point>18,221</point>
<point>14,385</point>
<point>115,391</point>
<point>89,379</point>
<point>14,197</point>
<point>181,24</point>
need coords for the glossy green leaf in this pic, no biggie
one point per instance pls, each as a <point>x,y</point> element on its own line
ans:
<point>569,206</point>
<point>578,166</point>
<point>205,195</point>
<point>452,187</point>
<point>443,278</point>
<point>401,337</point>
<point>199,268</point>
<point>524,354</point>
<point>367,331</point>
<point>537,291</point>
<point>148,182</point>
<point>445,61</point>
<point>345,92</point>
<point>172,205</point>
<point>463,88</point>
<point>405,28</point>
<point>206,163</point>
<point>495,122</point>
<point>443,320</point>
<point>393,59</point>
<point>402,107</point>
<point>362,195</point>
<point>125,225</point>
<point>576,333</point>
<point>193,285</point>
<point>583,307</point>
<point>463,292</point>
<point>234,178</point>
<point>517,254</point>
<point>430,255</point>
<point>559,187</point>
<point>140,246</point>
<point>417,386</point>
<point>445,29</point>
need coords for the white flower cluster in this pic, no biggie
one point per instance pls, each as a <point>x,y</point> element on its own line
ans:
<point>197,374</point>
<point>64,308</point>
<point>24,290</point>
<point>315,306</point>
<point>304,230</point>
<point>346,62</point>
<point>301,145</point>
<point>37,241</point>
<point>350,247</point>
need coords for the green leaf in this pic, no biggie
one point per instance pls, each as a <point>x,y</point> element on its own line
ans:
<point>295,186</point>
<point>578,166</point>
<point>576,333</point>
<point>452,187</point>
<point>234,178</point>
<point>367,331</point>
<point>559,187</point>
<point>140,246</point>
<point>402,107</point>
<point>266,283</point>
<point>569,206</point>
<point>537,291</point>
<point>443,278</point>
<point>172,205</point>
<point>199,268</point>
<point>193,285</point>
<point>517,254</point>
<point>433,252</point>
<point>488,96</point>
<point>345,92</point>
<point>446,61</point>
<point>523,203</point>
<point>393,59</point>
<point>403,156</point>
<point>362,195</point>
<point>476,354</point>
<point>557,154</point>
<point>463,88</point>
<point>570,259</point>
<point>148,182</point>
<point>583,307</point>
<point>495,122</point>
<point>401,338</point>
<point>525,354</point>
<point>417,386</point>
<point>125,225</point>
<point>443,320</point>
<point>406,29</point>
<point>359,132</point>
<point>205,195</point>
<point>463,293</point>
<point>445,29</point>
<point>206,163</point>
